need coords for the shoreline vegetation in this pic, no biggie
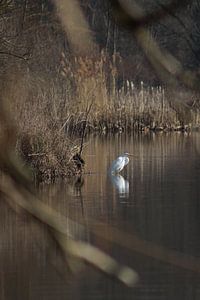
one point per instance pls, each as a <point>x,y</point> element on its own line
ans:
<point>54,114</point>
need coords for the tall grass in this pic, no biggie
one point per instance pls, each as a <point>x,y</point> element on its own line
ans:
<point>52,117</point>
<point>38,109</point>
<point>125,106</point>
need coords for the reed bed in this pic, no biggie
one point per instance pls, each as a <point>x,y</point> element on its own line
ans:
<point>53,115</point>
<point>136,109</point>
<point>142,109</point>
<point>121,106</point>
<point>37,108</point>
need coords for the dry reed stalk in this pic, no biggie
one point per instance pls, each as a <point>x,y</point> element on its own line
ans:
<point>130,108</point>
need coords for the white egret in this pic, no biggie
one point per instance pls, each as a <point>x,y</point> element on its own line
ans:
<point>120,163</point>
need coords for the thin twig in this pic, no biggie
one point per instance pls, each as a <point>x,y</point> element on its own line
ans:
<point>139,19</point>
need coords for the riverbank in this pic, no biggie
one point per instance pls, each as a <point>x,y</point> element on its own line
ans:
<point>134,109</point>
<point>51,122</point>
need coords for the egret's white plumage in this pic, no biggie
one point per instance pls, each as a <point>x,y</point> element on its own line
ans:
<point>119,163</point>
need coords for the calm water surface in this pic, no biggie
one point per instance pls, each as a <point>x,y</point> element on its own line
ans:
<point>156,198</point>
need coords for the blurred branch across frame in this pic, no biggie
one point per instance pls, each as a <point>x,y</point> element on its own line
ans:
<point>168,68</point>
<point>73,251</point>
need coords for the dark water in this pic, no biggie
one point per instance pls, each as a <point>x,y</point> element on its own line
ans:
<point>156,199</point>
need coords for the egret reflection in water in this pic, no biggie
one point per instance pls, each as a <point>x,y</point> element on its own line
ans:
<point>121,185</point>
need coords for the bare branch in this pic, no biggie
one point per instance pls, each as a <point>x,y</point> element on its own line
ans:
<point>166,65</point>
<point>126,18</point>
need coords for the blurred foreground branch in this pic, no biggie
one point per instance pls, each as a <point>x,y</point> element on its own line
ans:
<point>137,18</point>
<point>134,243</point>
<point>74,251</point>
<point>76,27</point>
<point>166,65</point>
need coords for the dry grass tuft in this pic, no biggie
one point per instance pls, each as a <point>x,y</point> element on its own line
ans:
<point>37,109</point>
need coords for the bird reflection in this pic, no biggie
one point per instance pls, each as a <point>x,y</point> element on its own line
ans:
<point>78,184</point>
<point>121,185</point>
